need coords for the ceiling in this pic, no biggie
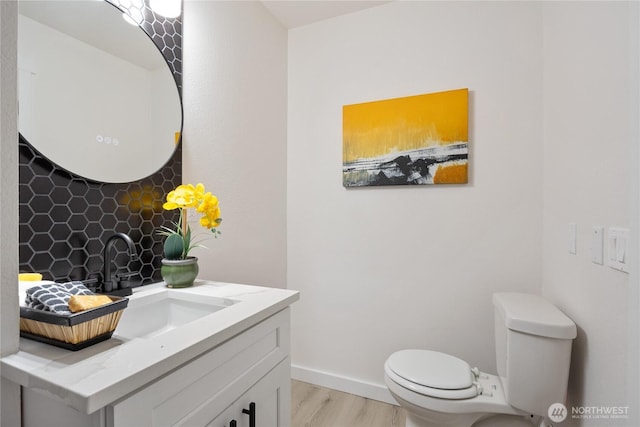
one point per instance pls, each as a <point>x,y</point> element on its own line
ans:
<point>91,21</point>
<point>296,13</point>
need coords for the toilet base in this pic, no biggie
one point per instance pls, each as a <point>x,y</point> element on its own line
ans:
<point>481,411</point>
<point>471,420</point>
<point>421,417</point>
<point>438,419</point>
<point>508,421</point>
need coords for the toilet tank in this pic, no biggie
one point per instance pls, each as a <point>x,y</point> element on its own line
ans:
<point>533,351</point>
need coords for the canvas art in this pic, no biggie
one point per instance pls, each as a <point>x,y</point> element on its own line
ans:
<point>420,139</point>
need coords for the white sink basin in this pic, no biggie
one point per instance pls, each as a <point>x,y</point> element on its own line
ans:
<point>151,314</point>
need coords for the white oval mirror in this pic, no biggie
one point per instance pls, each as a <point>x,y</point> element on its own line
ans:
<point>96,95</point>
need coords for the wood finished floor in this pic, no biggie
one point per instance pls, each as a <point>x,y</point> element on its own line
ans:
<point>315,406</point>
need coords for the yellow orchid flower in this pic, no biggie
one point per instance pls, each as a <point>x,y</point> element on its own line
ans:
<point>187,196</point>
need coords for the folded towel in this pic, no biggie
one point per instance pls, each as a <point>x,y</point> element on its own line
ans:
<point>54,297</point>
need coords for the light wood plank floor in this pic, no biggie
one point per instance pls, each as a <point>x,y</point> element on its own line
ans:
<point>315,406</point>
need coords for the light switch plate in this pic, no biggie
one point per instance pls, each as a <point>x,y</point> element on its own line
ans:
<point>618,249</point>
<point>597,243</point>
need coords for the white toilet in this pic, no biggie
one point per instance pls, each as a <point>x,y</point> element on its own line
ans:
<point>533,352</point>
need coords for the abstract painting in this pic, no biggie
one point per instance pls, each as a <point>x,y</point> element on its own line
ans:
<point>420,139</point>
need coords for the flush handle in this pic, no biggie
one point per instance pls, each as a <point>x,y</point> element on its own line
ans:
<point>475,372</point>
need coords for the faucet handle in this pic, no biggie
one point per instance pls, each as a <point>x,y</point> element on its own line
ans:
<point>91,284</point>
<point>125,275</point>
<point>476,372</point>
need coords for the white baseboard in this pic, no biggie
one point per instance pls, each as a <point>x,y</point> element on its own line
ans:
<point>339,382</point>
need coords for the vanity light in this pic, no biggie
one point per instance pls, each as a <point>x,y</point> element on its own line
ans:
<point>166,8</point>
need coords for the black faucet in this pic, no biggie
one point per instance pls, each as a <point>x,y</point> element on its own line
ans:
<point>110,282</point>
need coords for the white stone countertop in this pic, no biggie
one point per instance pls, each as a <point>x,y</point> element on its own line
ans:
<point>99,375</point>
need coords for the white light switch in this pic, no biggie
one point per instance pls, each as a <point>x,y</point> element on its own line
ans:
<point>618,248</point>
<point>597,242</point>
<point>572,237</point>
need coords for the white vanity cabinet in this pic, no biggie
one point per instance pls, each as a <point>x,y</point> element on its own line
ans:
<point>212,389</point>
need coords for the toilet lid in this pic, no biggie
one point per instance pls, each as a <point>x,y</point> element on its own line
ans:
<point>432,369</point>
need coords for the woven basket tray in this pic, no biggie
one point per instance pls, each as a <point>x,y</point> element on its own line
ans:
<point>72,331</point>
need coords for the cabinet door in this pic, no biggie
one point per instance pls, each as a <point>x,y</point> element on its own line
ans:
<point>196,393</point>
<point>272,399</point>
<point>40,410</point>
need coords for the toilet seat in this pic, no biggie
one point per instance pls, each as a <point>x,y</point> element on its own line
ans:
<point>433,374</point>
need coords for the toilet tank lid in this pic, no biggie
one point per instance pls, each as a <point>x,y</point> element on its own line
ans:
<point>533,315</point>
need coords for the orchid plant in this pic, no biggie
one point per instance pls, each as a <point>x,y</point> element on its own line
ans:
<point>178,242</point>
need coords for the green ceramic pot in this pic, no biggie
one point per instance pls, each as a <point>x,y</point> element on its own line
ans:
<point>179,273</point>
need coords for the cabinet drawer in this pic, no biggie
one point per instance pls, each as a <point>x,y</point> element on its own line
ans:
<point>213,380</point>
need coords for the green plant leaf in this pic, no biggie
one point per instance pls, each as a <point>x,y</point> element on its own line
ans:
<point>173,246</point>
<point>187,243</point>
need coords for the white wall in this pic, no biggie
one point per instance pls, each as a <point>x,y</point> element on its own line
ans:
<point>383,269</point>
<point>235,88</point>
<point>590,178</point>
<point>9,392</point>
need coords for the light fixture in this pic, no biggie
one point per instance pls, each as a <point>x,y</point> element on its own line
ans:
<point>166,8</point>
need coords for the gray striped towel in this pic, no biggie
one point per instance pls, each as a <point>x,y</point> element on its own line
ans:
<point>54,297</point>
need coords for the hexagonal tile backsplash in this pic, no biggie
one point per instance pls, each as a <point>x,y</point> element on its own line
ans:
<point>65,220</point>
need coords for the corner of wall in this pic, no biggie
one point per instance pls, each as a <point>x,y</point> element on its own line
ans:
<point>634,160</point>
<point>9,392</point>
<point>9,178</point>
